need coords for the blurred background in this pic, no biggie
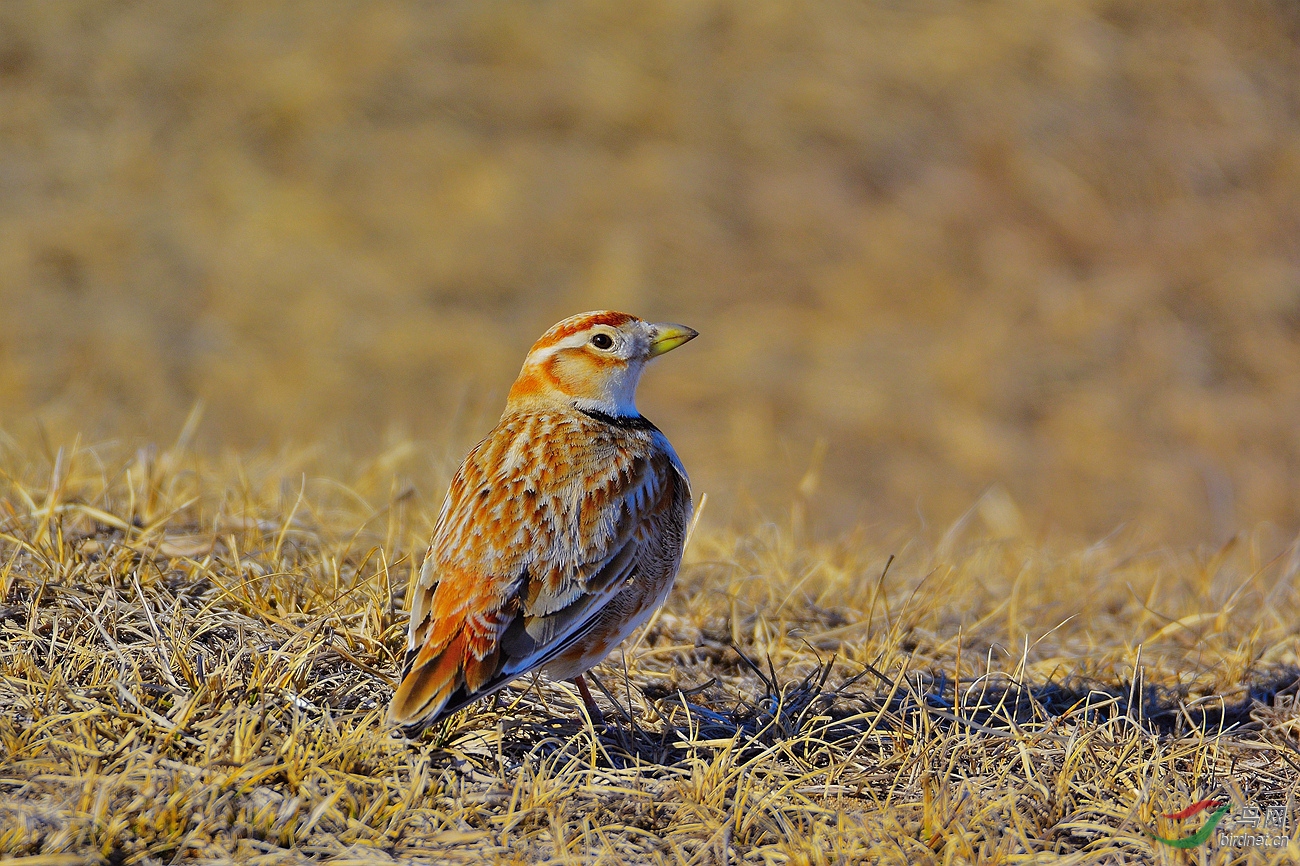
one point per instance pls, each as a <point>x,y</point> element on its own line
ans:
<point>931,247</point>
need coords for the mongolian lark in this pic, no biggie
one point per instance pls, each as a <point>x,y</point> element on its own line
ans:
<point>562,531</point>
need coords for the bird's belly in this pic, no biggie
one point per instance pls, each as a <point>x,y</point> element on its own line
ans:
<point>624,614</point>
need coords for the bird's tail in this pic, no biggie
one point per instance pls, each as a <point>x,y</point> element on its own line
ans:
<point>428,684</point>
<point>454,675</point>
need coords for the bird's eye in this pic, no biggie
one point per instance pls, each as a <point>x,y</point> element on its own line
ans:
<point>602,341</point>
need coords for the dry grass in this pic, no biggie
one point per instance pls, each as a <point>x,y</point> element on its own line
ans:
<point>197,654</point>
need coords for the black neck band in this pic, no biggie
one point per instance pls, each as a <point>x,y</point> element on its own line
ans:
<point>626,422</point>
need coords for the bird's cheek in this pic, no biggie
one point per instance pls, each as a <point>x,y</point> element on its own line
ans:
<point>587,375</point>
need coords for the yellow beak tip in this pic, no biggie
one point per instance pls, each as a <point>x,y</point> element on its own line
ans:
<point>668,337</point>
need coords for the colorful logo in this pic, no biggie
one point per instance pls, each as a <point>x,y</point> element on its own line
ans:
<point>1201,836</point>
<point>1254,827</point>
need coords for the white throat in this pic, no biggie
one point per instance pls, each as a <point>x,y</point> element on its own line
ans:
<point>618,397</point>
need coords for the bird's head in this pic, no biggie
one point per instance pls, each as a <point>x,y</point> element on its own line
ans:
<point>593,361</point>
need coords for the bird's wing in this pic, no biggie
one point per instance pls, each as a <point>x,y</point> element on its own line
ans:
<point>545,522</point>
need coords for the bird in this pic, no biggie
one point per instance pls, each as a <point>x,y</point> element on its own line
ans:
<point>562,530</point>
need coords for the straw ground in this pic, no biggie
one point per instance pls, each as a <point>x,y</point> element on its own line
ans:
<point>197,654</point>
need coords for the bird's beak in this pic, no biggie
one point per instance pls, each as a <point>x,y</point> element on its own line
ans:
<point>668,337</point>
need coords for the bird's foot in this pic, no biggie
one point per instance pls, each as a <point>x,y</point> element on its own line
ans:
<point>597,717</point>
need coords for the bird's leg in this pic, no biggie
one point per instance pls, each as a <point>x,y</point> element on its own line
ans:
<point>597,717</point>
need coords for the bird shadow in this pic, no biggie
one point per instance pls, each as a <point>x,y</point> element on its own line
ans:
<point>802,714</point>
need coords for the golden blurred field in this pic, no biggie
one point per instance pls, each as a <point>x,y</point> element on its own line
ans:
<point>1049,245</point>
<point>1008,290</point>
